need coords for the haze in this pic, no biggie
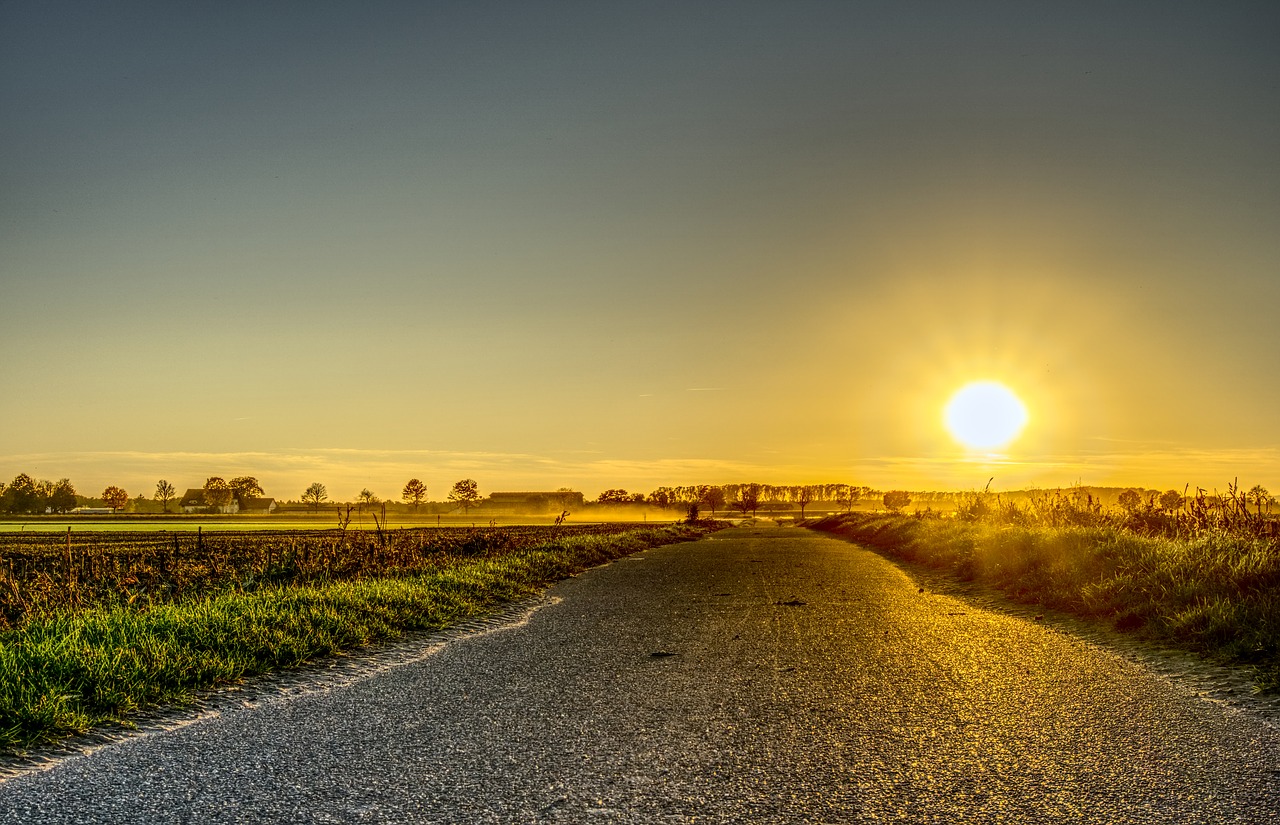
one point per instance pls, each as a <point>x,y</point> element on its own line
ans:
<point>593,245</point>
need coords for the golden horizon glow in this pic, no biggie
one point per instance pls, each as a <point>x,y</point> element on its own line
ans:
<point>984,415</point>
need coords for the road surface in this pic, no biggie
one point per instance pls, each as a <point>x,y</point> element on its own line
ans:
<point>760,675</point>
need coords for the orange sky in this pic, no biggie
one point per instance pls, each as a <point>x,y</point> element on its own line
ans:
<point>558,245</point>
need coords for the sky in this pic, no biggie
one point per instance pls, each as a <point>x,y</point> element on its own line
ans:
<point>597,245</point>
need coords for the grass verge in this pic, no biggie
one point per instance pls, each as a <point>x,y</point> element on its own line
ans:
<point>67,672</point>
<point>1216,593</point>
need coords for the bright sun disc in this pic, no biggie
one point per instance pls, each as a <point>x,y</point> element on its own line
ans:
<point>985,414</point>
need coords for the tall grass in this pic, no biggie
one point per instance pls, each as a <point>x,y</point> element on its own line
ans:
<point>68,671</point>
<point>1216,591</point>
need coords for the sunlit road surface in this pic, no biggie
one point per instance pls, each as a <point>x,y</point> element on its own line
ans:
<point>809,681</point>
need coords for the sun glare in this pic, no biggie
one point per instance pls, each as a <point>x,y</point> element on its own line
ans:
<point>984,414</point>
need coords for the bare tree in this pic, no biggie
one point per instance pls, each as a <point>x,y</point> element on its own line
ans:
<point>165,493</point>
<point>803,496</point>
<point>315,495</point>
<point>713,497</point>
<point>748,499</point>
<point>848,495</point>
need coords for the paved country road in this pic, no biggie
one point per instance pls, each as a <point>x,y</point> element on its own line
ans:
<point>802,679</point>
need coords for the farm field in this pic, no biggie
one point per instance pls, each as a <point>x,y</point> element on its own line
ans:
<point>95,627</point>
<point>286,523</point>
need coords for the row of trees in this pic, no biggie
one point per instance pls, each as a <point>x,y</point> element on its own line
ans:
<point>1171,500</point>
<point>465,494</point>
<point>744,498</point>
<point>26,495</point>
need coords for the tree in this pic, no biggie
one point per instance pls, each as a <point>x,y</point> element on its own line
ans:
<point>366,498</point>
<point>115,498</point>
<point>748,498</point>
<point>21,496</point>
<point>848,496</point>
<point>217,493</point>
<point>415,492</point>
<point>62,497</point>
<point>1259,496</point>
<point>1130,500</point>
<point>1170,500</point>
<point>803,496</point>
<point>614,496</point>
<point>165,493</point>
<point>895,500</point>
<point>465,494</point>
<point>245,487</point>
<point>713,497</point>
<point>315,495</point>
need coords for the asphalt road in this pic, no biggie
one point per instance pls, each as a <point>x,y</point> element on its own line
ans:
<point>800,679</point>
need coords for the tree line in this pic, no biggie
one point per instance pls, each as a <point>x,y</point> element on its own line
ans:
<point>26,495</point>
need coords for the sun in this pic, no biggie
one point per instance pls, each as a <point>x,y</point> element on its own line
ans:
<point>984,414</point>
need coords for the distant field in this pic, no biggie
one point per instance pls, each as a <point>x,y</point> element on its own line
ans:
<point>323,522</point>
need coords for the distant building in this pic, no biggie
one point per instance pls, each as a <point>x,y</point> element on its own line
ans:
<point>88,511</point>
<point>532,501</point>
<point>262,506</point>
<point>192,501</point>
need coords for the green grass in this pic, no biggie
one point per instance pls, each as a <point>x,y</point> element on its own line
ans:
<point>68,671</point>
<point>1216,593</point>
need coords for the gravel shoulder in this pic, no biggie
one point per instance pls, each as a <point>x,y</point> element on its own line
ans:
<point>759,675</point>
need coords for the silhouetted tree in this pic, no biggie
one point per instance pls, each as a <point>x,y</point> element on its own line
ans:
<point>1170,500</point>
<point>315,495</point>
<point>466,494</point>
<point>803,496</point>
<point>165,493</point>
<point>21,495</point>
<point>62,497</point>
<point>713,497</point>
<point>848,495</point>
<point>748,499</point>
<point>895,500</point>
<point>244,487</point>
<point>415,492</point>
<point>1259,496</point>
<point>1130,500</point>
<point>217,493</point>
<point>614,496</point>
